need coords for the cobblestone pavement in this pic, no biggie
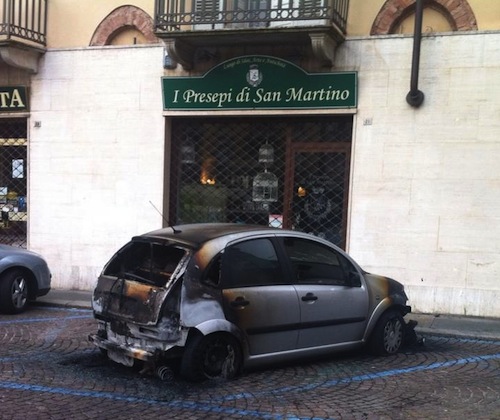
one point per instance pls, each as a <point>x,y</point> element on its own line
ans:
<point>48,370</point>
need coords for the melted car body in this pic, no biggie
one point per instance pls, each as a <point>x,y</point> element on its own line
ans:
<point>215,298</point>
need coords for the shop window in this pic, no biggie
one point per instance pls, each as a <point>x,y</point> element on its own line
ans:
<point>284,173</point>
<point>13,187</point>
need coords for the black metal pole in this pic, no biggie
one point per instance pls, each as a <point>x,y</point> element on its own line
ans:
<point>415,96</point>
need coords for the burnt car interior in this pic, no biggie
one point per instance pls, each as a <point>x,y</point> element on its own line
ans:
<point>146,262</point>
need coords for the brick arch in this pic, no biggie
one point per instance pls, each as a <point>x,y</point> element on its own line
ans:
<point>458,13</point>
<point>121,18</point>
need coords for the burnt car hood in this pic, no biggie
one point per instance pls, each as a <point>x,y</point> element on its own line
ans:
<point>381,288</point>
<point>128,300</point>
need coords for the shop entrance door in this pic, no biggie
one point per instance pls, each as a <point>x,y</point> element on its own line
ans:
<point>316,190</point>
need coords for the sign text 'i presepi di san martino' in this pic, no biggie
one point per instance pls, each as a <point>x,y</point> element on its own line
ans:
<point>260,82</point>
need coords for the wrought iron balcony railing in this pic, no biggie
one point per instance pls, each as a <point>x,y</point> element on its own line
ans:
<point>191,15</point>
<point>23,20</point>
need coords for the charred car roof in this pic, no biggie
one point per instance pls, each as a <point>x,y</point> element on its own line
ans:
<point>194,235</point>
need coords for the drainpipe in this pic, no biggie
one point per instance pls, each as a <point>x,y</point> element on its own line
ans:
<point>415,97</point>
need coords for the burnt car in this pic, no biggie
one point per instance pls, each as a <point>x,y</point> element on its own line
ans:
<point>212,299</point>
<point>24,276</point>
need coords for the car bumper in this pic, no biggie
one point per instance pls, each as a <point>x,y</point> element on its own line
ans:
<point>121,353</point>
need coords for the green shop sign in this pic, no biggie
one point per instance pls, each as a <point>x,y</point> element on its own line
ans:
<point>260,82</point>
<point>13,98</point>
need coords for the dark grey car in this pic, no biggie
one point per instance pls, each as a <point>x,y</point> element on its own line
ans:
<point>24,276</point>
<point>212,299</point>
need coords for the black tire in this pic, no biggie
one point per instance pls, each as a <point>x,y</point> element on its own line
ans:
<point>14,292</point>
<point>216,355</point>
<point>388,335</point>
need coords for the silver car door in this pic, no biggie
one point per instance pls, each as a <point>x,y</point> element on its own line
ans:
<point>331,314</point>
<point>333,301</point>
<point>257,297</point>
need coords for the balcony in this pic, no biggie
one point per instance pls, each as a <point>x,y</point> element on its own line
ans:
<point>188,26</point>
<point>23,25</point>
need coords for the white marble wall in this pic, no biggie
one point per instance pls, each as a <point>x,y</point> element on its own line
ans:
<point>425,192</point>
<point>97,160</point>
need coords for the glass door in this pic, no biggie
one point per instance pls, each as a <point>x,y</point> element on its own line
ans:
<point>317,189</point>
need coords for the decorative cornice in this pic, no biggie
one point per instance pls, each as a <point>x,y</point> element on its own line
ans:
<point>22,58</point>
<point>323,46</point>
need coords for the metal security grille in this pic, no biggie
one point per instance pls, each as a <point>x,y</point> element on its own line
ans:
<point>13,176</point>
<point>291,173</point>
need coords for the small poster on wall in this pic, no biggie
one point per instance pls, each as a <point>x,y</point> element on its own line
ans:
<point>17,168</point>
<point>276,220</point>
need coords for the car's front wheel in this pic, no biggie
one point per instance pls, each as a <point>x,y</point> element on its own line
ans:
<point>14,292</point>
<point>388,335</point>
<point>216,355</point>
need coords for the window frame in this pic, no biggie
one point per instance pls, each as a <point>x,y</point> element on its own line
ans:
<point>280,274</point>
<point>344,264</point>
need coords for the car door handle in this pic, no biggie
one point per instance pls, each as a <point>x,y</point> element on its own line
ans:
<point>310,297</point>
<point>239,302</point>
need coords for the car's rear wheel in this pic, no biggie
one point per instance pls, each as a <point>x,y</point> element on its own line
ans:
<point>216,355</point>
<point>388,335</point>
<point>14,292</point>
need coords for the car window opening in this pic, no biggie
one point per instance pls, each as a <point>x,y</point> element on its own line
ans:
<point>313,263</point>
<point>251,263</point>
<point>146,262</point>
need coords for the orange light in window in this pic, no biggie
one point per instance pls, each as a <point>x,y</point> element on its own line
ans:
<point>207,169</point>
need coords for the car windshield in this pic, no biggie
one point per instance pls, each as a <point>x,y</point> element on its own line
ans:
<point>146,262</point>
